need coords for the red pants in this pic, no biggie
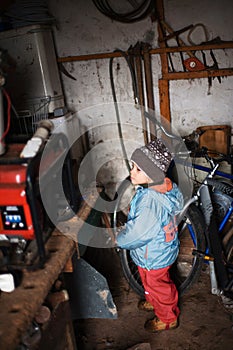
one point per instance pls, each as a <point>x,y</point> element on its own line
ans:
<point>161,292</point>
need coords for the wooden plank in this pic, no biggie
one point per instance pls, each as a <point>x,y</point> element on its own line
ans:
<point>204,47</point>
<point>164,99</point>
<point>200,74</point>
<point>19,307</point>
<point>154,51</point>
<point>71,227</point>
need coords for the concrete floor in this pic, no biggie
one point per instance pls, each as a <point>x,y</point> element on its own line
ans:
<point>204,323</point>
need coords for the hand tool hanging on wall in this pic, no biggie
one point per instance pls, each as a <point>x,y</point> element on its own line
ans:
<point>135,53</point>
<point>213,41</point>
<point>143,73</point>
<point>149,85</point>
<point>136,98</point>
<point>192,63</point>
<point>173,35</point>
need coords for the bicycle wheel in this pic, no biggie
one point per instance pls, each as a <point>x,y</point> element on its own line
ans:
<point>123,198</point>
<point>187,267</point>
<point>222,201</point>
<point>228,247</point>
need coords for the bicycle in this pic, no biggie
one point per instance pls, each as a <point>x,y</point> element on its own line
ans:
<point>202,237</point>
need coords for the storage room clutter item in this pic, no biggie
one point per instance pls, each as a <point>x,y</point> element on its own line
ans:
<point>215,137</point>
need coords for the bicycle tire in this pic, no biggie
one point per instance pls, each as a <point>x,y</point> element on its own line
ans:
<point>188,263</point>
<point>188,266</point>
<point>222,199</point>
<point>222,186</point>
<point>229,250</point>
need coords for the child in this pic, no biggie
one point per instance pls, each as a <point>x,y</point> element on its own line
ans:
<point>151,233</point>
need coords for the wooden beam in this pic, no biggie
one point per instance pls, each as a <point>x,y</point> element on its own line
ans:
<point>19,307</point>
<point>156,51</point>
<point>205,47</point>
<point>197,75</point>
<point>164,99</point>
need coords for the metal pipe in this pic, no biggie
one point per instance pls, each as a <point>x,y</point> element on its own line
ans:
<point>139,76</point>
<point>149,89</point>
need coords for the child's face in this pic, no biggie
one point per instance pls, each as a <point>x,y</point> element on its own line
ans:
<point>137,176</point>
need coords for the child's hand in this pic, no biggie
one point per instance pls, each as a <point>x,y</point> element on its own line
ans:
<point>119,229</point>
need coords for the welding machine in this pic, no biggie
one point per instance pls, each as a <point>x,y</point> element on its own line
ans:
<point>28,185</point>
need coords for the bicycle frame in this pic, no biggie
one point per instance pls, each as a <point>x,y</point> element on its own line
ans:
<point>213,255</point>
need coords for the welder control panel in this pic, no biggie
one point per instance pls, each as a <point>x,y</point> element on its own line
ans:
<point>12,217</point>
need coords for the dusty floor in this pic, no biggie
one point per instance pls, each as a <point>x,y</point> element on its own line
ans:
<point>204,324</point>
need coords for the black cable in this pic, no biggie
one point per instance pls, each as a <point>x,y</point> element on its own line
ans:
<point>115,100</point>
<point>139,13</point>
<point>132,72</point>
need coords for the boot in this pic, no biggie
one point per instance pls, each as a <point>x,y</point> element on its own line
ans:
<point>145,305</point>
<point>156,325</point>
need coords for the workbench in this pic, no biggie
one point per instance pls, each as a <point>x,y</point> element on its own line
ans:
<point>19,308</point>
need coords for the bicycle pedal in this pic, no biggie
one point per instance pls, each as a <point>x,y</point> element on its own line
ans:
<point>202,255</point>
<point>208,258</point>
<point>227,302</point>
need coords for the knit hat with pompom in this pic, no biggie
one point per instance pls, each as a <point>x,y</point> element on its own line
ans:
<point>153,159</point>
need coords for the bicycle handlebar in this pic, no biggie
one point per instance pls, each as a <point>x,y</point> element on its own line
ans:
<point>205,152</point>
<point>199,152</point>
<point>161,127</point>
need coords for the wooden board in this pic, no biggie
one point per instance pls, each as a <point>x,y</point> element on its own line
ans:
<point>19,307</point>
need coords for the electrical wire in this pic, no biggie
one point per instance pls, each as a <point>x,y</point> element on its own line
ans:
<point>24,12</point>
<point>135,90</point>
<point>140,12</point>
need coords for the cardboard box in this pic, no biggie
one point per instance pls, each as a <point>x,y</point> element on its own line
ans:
<point>215,137</point>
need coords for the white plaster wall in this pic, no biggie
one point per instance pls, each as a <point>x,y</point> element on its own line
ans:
<point>192,102</point>
<point>83,30</point>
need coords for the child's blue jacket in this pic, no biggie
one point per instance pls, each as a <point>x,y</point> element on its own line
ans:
<point>150,232</point>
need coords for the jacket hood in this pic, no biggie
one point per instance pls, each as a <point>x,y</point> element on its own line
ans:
<point>171,197</point>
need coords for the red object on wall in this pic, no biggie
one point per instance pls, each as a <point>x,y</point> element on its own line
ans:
<point>193,64</point>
